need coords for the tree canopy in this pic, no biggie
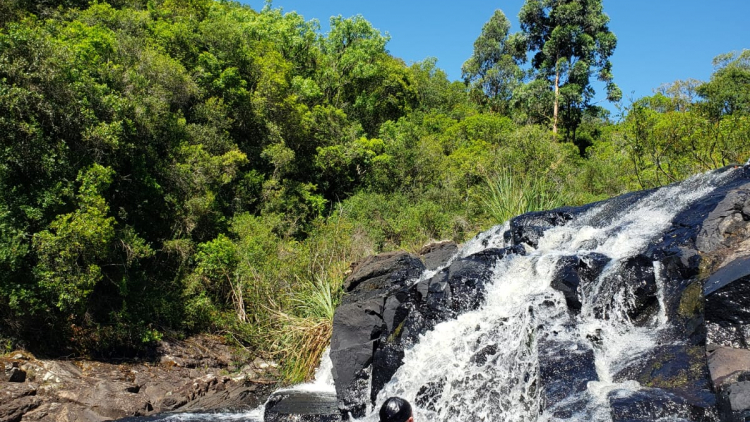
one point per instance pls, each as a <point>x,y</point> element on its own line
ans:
<point>571,41</point>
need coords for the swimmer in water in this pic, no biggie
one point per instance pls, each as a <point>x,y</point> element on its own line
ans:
<point>396,409</point>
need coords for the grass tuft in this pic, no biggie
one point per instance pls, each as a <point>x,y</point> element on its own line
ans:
<point>507,195</point>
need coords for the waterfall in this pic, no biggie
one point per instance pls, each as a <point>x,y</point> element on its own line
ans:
<point>484,365</point>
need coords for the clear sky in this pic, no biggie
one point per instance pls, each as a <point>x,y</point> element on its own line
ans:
<point>659,41</point>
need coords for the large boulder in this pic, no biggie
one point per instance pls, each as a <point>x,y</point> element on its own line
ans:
<point>530,227</point>
<point>360,321</point>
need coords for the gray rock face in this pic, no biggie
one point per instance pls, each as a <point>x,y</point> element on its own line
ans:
<point>437,254</point>
<point>17,399</point>
<point>724,243</point>
<point>727,220</point>
<point>739,396</point>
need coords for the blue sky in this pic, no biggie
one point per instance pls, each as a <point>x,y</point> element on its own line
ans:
<point>659,41</point>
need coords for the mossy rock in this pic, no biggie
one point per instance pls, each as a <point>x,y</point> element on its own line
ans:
<point>691,301</point>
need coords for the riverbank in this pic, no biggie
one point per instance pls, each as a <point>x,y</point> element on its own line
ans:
<point>198,374</point>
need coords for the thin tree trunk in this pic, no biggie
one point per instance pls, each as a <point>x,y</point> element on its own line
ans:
<point>557,100</point>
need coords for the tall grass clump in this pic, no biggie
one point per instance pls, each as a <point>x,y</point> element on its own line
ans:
<point>307,328</point>
<point>507,195</point>
<point>303,328</point>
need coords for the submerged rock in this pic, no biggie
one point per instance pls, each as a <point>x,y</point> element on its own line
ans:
<point>301,406</point>
<point>649,404</point>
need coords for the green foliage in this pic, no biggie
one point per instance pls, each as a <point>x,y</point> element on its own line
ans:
<point>176,166</point>
<point>508,196</point>
<point>571,41</point>
<point>492,72</point>
<point>728,91</point>
<point>72,250</point>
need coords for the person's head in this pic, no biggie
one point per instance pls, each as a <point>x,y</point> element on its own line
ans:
<point>396,409</point>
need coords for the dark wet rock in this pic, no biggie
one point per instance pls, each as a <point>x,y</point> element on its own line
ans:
<point>15,374</point>
<point>572,270</point>
<point>564,370</point>
<point>438,254</point>
<point>366,314</point>
<point>380,273</point>
<point>497,232</point>
<point>679,370</point>
<point>304,406</point>
<point>691,239</point>
<point>371,328</point>
<point>529,228</point>
<point>386,361</point>
<point>735,270</point>
<point>427,395</point>
<point>467,277</point>
<point>480,358</point>
<point>727,312</point>
<point>651,404</point>
<point>701,262</point>
<point>637,275</point>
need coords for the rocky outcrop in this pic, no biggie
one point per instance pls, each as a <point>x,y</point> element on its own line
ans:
<point>197,374</point>
<point>701,264</point>
<point>724,244</point>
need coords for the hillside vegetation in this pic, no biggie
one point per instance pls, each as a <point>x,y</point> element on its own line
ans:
<point>169,167</point>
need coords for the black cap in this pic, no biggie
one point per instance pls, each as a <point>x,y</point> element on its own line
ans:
<point>395,409</point>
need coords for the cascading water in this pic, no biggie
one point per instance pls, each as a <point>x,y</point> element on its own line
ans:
<point>484,365</point>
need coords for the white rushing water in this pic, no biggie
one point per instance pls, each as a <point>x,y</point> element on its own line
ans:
<point>323,381</point>
<point>484,365</point>
<point>255,415</point>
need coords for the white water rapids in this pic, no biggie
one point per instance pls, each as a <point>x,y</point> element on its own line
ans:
<point>521,309</point>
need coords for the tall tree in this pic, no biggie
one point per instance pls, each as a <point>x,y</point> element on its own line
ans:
<point>728,91</point>
<point>492,71</point>
<point>571,42</point>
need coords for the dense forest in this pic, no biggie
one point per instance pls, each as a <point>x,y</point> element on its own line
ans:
<point>171,167</point>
